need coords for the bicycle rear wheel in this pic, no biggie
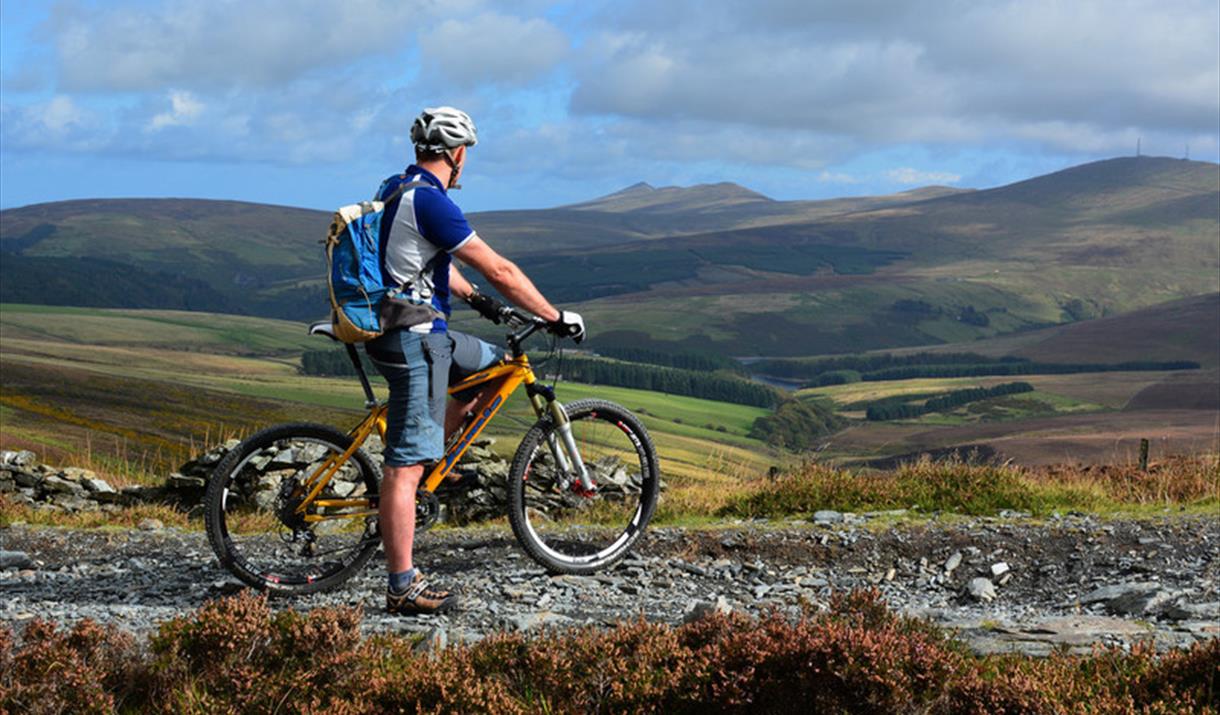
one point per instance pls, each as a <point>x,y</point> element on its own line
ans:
<point>560,526</point>
<point>251,516</point>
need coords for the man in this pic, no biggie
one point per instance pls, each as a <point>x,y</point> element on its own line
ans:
<point>425,229</point>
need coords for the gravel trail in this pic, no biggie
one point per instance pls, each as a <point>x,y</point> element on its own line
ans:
<point>1002,583</point>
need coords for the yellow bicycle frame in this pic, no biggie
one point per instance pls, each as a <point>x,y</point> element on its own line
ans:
<point>511,374</point>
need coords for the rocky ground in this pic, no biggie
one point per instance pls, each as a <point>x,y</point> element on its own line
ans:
<point>1004,583</point>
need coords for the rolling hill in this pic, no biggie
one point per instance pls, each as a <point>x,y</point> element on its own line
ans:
<point>713,267</point>
<point>1186,329</point>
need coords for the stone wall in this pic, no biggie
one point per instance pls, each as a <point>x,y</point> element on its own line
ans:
<point>482,494</point>
<point>67,489</point>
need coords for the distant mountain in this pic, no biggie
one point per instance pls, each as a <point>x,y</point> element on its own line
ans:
<point>252,258</point>
<point>713,267</point>
<point>1096,240</point>
<point>675,199</point>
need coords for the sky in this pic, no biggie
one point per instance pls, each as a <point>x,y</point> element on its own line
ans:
<point>308,103</point>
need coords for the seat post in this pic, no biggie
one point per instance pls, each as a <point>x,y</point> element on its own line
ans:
<point>370,399</point>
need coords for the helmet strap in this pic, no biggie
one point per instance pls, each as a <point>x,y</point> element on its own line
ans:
<point>453,171</point>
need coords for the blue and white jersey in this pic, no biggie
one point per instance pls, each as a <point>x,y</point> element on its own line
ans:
<point>425,226</point>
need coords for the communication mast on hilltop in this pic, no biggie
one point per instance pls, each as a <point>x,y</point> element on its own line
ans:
<point>1137,145</point>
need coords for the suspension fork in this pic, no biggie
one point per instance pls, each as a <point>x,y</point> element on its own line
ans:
<point>563,449</point>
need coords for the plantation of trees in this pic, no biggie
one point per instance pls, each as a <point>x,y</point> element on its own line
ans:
<point>332,363</point>
<point>796,425</point>
<point>710,386</point>
<point>893,409</point>
<point>684,361</point>
<point>1021,368</point>
<point>810,369</point>
<point>721,386</point>
<point>873,368</point>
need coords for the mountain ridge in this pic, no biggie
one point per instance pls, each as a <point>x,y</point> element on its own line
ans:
<point>746,272</point>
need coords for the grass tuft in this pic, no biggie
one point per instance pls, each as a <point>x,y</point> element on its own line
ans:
<point>956,487</point>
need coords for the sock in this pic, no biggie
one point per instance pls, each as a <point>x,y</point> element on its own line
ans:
<point>399,581</point>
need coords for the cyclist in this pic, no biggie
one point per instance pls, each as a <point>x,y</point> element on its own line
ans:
<point>419,361</point>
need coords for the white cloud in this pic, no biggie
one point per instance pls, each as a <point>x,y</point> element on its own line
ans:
<point>491,48</point>
<point>58,115</point>
<point>629,88</point>
<point>184,109</point>
<point>306,123</point>
<point>916,71</point>
<point>221,43</point>
<point>59,124</point>
<point>836,177</point>
<point>908,176</point>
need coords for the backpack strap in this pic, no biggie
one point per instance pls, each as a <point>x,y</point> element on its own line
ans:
<point>394,196</point>
<point>397,193</point>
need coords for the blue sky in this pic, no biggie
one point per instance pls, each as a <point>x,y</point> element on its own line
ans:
<point>308,103</point>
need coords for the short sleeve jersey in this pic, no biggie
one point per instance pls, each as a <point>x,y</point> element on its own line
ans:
<point>425,227</point>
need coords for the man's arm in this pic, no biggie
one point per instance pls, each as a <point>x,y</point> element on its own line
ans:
<point>459,287</point>
<point>504,275</point>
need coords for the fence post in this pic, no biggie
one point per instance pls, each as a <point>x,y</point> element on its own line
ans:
<point>1144,454</point>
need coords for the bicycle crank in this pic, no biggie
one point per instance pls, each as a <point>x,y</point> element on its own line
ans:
<point>427,510</point>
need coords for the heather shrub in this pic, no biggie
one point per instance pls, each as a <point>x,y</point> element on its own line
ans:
<point>634,666</point>
<point>451,682</point>
<point>1109,681</point>
<point>1192,675</point>
<point>856,657</point>
<point>236,655</point>
<point>86,669</point>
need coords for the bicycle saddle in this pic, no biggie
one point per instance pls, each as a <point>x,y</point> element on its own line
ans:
<point>323,327</point>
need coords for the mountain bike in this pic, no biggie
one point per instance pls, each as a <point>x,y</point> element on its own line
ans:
<point>293,508</point>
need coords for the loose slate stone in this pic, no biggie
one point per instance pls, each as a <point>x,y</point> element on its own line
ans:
<point>981,589</point>
<point>98,486</point>
<point>15,560</point>
<point>703,609</point>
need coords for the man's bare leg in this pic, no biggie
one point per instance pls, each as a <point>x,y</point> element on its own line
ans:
<point>396,512</point>
<point>407,593</point>
<point>396,515</point>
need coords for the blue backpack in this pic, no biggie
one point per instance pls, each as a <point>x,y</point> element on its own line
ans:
<point>363,307</point>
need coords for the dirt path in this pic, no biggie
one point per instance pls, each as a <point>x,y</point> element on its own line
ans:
<point>1003,583</point>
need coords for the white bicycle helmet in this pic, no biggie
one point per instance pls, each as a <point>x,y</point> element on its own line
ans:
<point>438,129</point>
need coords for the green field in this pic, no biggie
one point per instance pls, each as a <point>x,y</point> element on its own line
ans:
<point>137,392</point>
<point>1045,401</point>
<point>152,385</point>
<point>174,330</point>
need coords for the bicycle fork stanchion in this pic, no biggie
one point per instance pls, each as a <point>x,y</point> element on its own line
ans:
<point>539,396</point>
<point>567,455</point>
<point>564,427</point>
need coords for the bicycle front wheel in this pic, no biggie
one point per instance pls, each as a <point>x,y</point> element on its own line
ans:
<point>255,527</point>
<point>562,526</point>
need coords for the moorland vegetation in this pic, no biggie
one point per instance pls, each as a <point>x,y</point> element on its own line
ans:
<point>236,654</point>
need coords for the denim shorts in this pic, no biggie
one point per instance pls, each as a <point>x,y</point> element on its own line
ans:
<point>419,368</point>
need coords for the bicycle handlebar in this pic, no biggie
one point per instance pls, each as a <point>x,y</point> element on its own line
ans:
<point>529,324</point>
